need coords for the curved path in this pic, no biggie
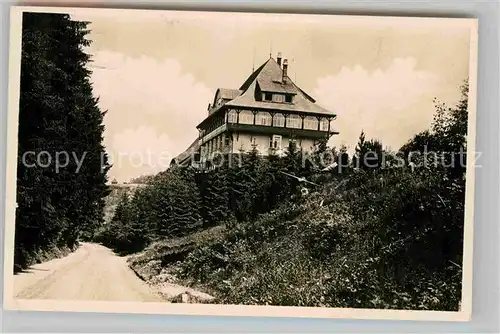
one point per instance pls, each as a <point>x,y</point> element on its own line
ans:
<point>93,272</point>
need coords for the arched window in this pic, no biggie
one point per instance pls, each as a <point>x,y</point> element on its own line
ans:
<point>323,125</point>
<point>279,120</point>
<point>246,117</point>
<point>263,118</point>
<point>311,123</point>
<point>232,116</point>
<point>294,121</point>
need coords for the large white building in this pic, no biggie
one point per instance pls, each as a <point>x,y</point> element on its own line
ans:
<point>266,112</point>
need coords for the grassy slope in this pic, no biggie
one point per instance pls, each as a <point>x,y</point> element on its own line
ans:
<point>331,248</point>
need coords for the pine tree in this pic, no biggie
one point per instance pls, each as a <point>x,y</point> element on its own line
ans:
<point>57,114</point>
<point>322,155</point>
<point>214,191</point>
<point>293,158</point>
<point>118,231</point>
<point>272,182</point>
<point>343,160</point>
<point>360,151</point>
<point>291,163</point>
<point>177,202</point>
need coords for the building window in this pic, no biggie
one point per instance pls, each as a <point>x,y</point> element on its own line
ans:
<point>226,140</point>
<point>263,118</point>
<point>278,98</point>
<point>288,98</point>
<point>246,117</point>
<point>232,116</point>
<point>323,125</point>
<point>268,96</point>
<point>311,123</point>
<point>275,142</point>
<point>294,122</point>
<point>279,120</point>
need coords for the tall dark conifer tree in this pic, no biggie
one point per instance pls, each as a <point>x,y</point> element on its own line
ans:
<point>57,113</point>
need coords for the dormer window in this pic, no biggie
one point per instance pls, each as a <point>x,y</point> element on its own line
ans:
<point>278,98</point>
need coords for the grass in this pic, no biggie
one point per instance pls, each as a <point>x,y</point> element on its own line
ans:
<point>332,248</point>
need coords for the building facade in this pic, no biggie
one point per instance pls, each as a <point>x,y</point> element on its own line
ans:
<point>266,112</point>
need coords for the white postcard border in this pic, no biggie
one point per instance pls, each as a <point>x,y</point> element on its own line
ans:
<point>11,303</point>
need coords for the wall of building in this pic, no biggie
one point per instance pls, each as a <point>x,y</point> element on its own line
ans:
<point>244,141</point>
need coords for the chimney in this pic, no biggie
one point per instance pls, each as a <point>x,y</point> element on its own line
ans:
<point>285,69</point>
<point>278,59</point>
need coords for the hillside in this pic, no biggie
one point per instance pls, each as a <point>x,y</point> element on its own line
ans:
<point>383,229</point>
<point>313,251</point>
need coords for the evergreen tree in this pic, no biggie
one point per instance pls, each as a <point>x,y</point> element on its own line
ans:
<point>244,186</point>
<point>57,116</point>
<point>368,153</point>
<point>272,182</point>
<point>343,160</point>
<point>360,151</point>
<point>322,155</point>
<point>293,158</point>
<point>141,232</point>
<point>292,164</point>
<point>214,191</point>
<point>176,203</point>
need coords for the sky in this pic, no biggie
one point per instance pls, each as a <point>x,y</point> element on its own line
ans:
<point>155,73</point>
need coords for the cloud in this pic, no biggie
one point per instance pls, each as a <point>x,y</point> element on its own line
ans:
<point>154,86</point>
<point>152,105</point>
<point>139,151</point>
<point>389,104</point>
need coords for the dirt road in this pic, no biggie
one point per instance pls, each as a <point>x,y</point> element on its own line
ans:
<point>93,272</point>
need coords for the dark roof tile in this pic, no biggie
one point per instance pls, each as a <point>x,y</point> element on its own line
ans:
<point>193,148</point>
<point>229,94</point>
<point>269,78</point>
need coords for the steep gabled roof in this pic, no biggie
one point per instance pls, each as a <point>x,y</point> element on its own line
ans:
<point>228,94</point>
<point>191,150</point>
<point>252,77</point>
<point>225,94</point>
<point>277,86</point>
<point>268,78</point>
